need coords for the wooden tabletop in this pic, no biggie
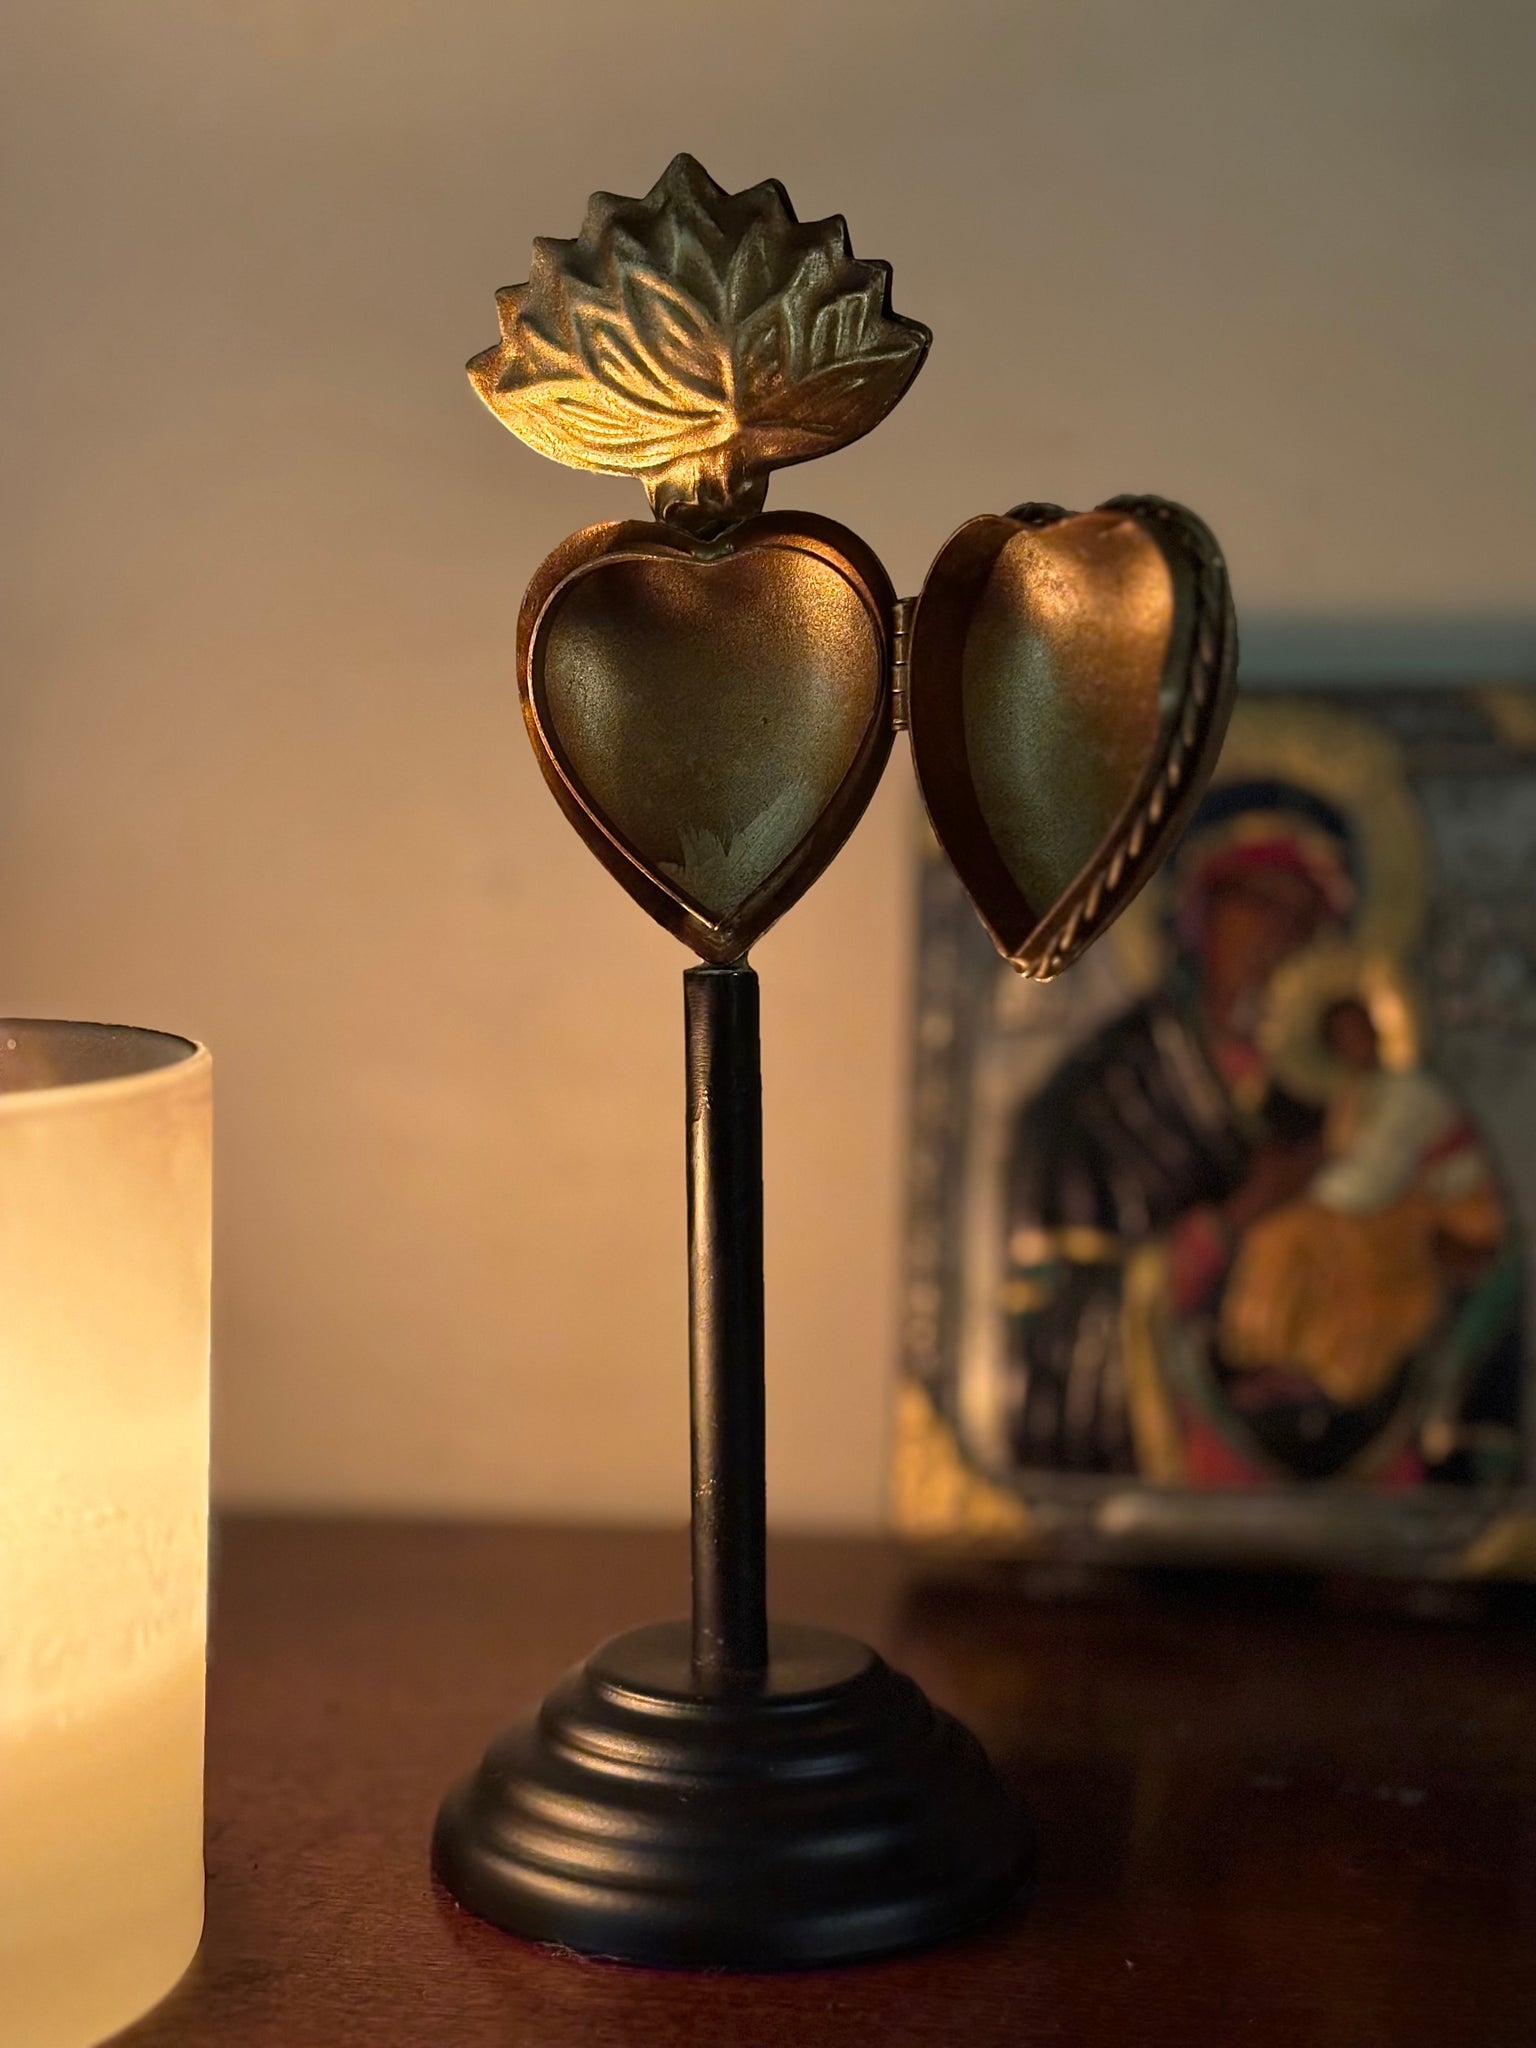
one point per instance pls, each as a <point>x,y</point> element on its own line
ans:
<point>1266,1814</point>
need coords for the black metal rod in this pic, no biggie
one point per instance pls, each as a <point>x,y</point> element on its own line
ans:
<point>725,1325</point>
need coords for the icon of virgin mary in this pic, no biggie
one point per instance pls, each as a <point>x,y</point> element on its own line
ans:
<point>1251,1235</point>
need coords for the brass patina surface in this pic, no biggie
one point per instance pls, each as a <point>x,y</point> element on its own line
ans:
<point>697,339</point>
<point>1060,677</point>
<point>1070,679</point>
<point>669,697</point>
<point>711,717</point>
<point>712,696</point>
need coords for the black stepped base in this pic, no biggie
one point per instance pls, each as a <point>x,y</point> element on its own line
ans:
<point>831,1813</point>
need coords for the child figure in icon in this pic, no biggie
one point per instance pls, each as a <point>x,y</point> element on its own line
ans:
<point>1341,1288</point>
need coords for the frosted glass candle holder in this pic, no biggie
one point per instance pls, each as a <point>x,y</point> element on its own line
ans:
<point>104,1257</point>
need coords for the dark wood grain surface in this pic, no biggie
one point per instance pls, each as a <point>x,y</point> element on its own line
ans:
<point>1265,1815</point>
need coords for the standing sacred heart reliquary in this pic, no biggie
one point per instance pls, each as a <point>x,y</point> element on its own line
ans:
<point>712,693</point>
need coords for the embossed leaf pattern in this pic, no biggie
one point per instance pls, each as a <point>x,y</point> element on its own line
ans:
<point>698,339</point>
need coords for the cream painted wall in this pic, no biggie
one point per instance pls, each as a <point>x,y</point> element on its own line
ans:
<point>261,777</point>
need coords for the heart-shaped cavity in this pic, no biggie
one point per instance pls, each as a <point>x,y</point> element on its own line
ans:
<point>713,718</point>
<point>1070,680</point>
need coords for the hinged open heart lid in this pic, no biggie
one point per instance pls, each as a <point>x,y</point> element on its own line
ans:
<point>1069,680</point>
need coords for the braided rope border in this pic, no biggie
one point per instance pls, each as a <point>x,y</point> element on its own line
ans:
<point>1210,665</point>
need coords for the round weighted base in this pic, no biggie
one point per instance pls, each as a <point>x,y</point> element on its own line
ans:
<point>827,1814</point>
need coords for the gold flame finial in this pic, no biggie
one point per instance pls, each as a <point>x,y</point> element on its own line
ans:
<point>697,339</point>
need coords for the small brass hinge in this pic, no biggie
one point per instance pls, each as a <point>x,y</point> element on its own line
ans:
<point>901,639</point>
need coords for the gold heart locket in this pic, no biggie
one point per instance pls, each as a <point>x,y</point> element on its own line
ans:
<point>712,694</point>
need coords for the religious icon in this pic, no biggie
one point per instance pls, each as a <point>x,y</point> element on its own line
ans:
<point>1218,1246</point>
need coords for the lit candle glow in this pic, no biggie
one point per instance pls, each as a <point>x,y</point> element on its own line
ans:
<point>104,1259</point>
